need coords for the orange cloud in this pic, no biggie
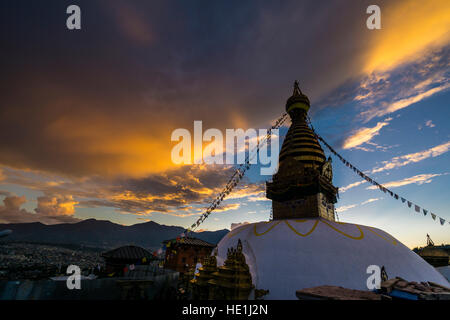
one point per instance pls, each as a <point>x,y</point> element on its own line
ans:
<point>56,205</point>
<point>50,210</point>
<point>228,207</point>
<point>363,135</point>
<point>105,145</point>
<point>183,191</point>
<point>409,28</point>
<point>253,192</point>
<point>14,202</point>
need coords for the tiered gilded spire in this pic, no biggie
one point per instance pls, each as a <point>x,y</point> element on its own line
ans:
<point>300,142</point>
<point>302,187</point>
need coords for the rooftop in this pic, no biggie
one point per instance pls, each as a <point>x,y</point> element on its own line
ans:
<point>192,241</point>
<point>127,252</point>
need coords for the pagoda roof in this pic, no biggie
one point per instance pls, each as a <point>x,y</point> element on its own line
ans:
<point>127,252</point>
<point>192,241</point>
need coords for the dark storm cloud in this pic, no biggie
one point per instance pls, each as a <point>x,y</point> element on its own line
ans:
<point>142,69</point>
<point>91,111</point>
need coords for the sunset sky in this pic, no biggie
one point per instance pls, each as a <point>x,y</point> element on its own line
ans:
<point>86,116</point>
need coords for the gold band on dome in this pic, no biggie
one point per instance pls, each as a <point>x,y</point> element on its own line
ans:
<point>260,234</point>
<point>242,228</point>
<point>360,237</point>
<point>393,240</point>
<point>349,236</point>
<point>301,234</point>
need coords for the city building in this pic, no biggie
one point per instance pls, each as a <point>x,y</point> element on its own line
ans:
<point>118,259</point>
<point>183,254</point>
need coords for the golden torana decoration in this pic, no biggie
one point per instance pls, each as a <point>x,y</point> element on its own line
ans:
<point>273,224</point>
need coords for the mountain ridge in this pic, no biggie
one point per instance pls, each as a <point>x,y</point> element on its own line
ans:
<point>102,233</point>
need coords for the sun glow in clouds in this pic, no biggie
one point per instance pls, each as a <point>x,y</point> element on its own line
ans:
<point>409,28</point>
<point>213,152</point>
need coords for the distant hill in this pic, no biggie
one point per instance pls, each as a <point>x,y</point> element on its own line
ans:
<point>102,234</point>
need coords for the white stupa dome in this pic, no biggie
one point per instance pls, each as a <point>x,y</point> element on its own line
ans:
<point>288,255</point>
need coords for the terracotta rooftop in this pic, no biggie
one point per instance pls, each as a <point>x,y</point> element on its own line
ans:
<point>192,242</point>
<point>127,252</point>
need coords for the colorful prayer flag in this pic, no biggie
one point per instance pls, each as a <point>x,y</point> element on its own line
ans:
<point>433,216</point>
<point>442,221</point>
<point>417,208</point>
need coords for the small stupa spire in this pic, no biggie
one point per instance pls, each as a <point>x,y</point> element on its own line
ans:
<point>297,91</point>
<point>298,100</point>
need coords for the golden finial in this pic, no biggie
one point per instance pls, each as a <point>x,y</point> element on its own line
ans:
<point>297,90</point>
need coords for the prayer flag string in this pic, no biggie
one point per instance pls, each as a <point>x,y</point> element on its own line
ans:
<point>382,188</point>
<point>237,175</point>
